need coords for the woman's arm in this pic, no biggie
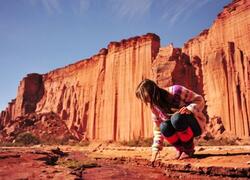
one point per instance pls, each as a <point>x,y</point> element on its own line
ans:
<point>158,139</point>
<point>195,102</point>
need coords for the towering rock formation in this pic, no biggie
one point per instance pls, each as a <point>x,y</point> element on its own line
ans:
<point>96,97</point>
<point>29,93</point>
<point>215,64</point>
<point>224,52</point>
<point>172,66</point>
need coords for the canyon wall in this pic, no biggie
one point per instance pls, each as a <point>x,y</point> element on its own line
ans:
<point>224,52</point>
<point>215,64</point>
<point>94,97</point>
<point>172,66</point>
<point>29,93</point>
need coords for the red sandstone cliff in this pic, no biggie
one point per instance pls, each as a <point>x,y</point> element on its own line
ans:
<point>95,97</point>
<point>172,66</point>
<point>216,64</point>
<point>224,51</point>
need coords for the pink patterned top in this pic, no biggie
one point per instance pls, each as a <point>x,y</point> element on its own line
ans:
<point>182,97</point>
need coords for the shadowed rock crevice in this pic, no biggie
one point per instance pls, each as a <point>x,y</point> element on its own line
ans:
<point>33,92</point>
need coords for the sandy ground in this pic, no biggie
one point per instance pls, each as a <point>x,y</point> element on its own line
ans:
<point>102,161</point>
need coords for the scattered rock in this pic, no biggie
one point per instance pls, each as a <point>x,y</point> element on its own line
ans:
<point>47,127</point>
<point>59,152</point>
<point>49,159</point>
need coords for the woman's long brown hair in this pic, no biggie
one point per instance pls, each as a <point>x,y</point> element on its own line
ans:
<point>149,92</point>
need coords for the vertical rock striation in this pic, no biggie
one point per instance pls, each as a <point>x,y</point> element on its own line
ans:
<point>94,97</point>
<point>215,64</point>
<point>224,51</point>
<point>128,62</point>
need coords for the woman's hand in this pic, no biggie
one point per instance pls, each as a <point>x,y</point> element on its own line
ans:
<point>153,157</point>
<point>184,110</point>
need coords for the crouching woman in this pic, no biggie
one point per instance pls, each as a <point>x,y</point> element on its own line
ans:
<point>177,116</point>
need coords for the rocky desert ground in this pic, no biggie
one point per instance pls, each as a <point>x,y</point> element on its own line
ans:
<point>111,161</point>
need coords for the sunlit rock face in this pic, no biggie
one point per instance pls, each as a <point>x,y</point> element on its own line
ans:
<point>95,97</point>
<point>172,66</point>
<point>215,64</point>
<point>224,52</point>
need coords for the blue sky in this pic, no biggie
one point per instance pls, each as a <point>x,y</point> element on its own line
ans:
<point>41,35</point>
